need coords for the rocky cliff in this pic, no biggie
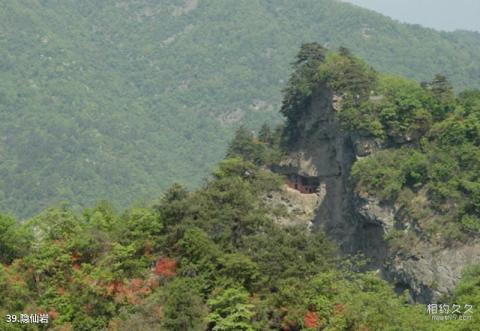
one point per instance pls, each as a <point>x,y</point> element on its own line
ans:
<point>358,221</point>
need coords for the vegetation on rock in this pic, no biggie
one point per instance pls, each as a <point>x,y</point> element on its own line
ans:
<point>431,137</point>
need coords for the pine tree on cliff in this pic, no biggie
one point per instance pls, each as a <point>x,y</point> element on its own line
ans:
<point>310,53</point>
<point>299,90</point>
<point>441,88</point>
<point>265,134</point>
<point>443,93</point>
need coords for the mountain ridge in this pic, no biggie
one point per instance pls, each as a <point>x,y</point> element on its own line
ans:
<point>119,100</point>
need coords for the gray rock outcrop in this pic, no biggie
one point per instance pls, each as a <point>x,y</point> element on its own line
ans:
<point>362,223</point>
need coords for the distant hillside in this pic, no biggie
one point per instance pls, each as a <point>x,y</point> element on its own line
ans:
<point>117,100</point>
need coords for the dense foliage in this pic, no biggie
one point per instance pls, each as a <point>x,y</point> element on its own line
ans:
<point>119,99</point>
<point>263,149</point>
<point>433,151</point>
<point>211,259</point>
<point>205,260</point>
<point>214,259</point>
<point>425,139</point>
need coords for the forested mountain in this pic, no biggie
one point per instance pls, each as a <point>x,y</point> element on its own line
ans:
<point>119,99</point>
<point>243,252</point>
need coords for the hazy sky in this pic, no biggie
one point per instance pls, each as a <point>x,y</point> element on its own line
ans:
<point>439,14</point>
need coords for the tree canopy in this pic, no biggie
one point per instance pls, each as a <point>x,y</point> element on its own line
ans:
<point>136,95</point>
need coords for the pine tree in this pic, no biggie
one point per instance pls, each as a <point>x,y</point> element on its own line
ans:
<point>265,135</point>
<point>441,88</point>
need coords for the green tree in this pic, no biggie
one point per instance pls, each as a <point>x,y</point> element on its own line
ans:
<point>173,205</point>
<point>241,270</point>
<point>300,88</point>
<point>183,309</point>
<point>230,311</point>
<point>443,93</point>
<point>311,54</point>
<point>245,145</point>
<point>265,134</point>
<point>442,89</point>
<point>14,239</point>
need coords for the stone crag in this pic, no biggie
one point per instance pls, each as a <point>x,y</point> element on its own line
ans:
<point>360,223</point>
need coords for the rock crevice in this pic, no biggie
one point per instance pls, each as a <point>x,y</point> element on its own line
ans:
<point>357,223</point>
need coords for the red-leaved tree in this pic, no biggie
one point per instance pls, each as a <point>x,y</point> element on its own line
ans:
<point>165,267</point>
<point>310,320</point>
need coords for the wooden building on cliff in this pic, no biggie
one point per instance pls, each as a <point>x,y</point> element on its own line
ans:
<point>303,184</point>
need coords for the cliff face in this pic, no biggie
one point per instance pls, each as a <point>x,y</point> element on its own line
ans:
<point>327,153</point>
<point>324,152</point>
<point>359,222</point>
